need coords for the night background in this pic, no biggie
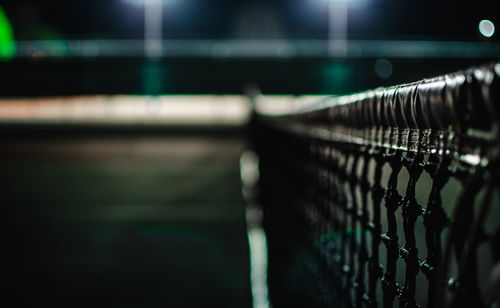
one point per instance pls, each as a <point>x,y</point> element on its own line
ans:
<point>81,46</point>
<point>129,206</point>
<point>226,19</point>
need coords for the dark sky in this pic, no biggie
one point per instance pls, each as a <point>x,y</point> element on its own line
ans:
<point>368,19</point>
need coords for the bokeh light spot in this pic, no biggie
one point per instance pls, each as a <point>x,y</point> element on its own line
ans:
<point>7,43</point>
<point>383,68</point>
<point>486,28</point>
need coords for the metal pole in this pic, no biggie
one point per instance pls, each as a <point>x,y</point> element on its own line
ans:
<point>153,28</point>
<point>338,28</point>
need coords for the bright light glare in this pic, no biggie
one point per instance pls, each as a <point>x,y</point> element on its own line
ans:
<point>339,1</point>
<point>142,2</point>
<point>486,28</point>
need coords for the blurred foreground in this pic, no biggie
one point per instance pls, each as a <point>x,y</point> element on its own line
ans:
<point>125,220</point>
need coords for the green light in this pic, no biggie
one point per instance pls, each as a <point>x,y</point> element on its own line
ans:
<point>337,78</point>
<point>155,78</point>
<point>7,43</point>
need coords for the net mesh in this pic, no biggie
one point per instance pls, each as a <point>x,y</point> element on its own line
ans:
<point>384,198</point>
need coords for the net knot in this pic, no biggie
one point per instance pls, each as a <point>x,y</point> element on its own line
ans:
<point>435,218</point>
<point>377,193</point>
<point>392,200</point>
<point>411,210</point>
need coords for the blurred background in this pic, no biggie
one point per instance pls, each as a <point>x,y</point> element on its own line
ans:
<point>123,124</point>
<point>218,46</point>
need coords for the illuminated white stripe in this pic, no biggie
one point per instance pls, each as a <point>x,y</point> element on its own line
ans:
<point>123,109</point>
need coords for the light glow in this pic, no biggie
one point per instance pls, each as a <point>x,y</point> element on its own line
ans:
<point>7,43</point>
<point>486,28</point>
<point>142,2</point>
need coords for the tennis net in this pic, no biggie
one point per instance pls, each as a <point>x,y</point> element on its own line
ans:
<point>384,198</point>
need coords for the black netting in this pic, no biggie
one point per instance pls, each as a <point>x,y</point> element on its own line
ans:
<point>385,198</point>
